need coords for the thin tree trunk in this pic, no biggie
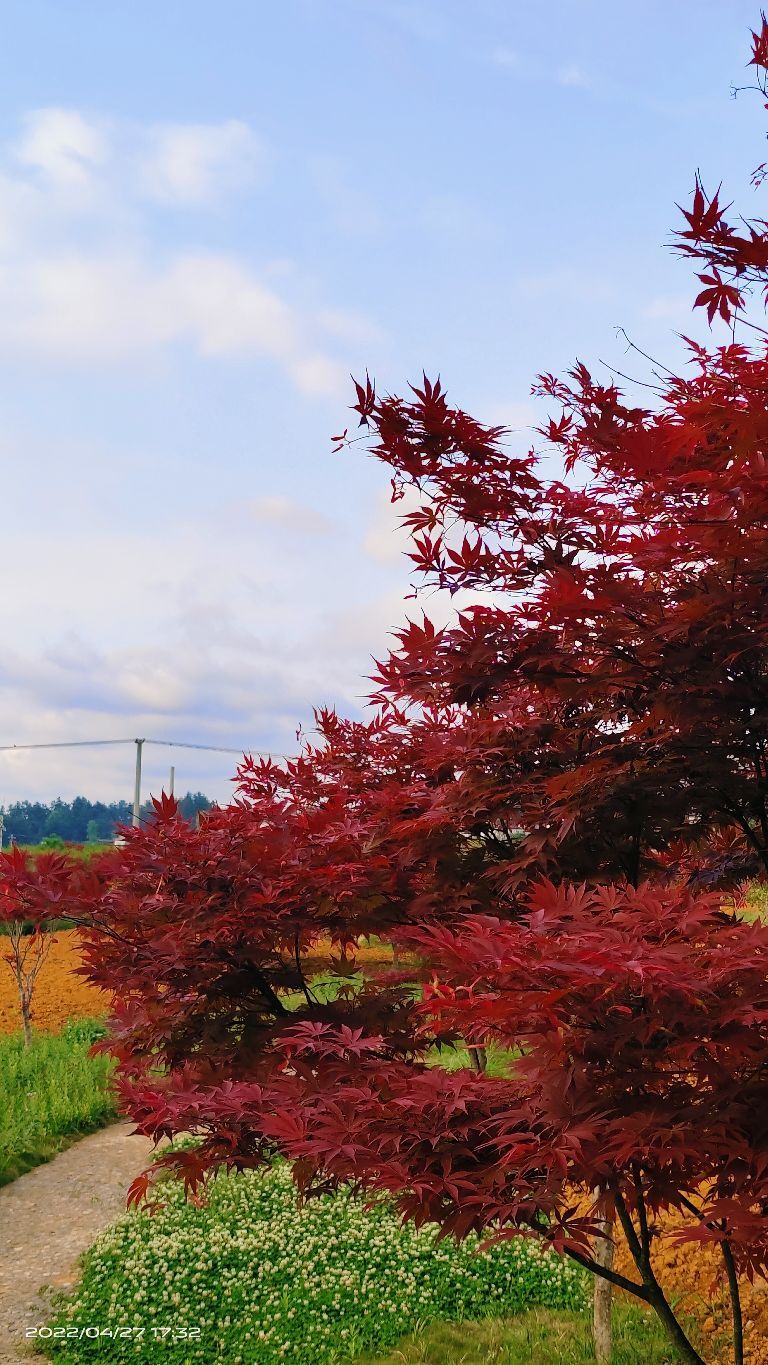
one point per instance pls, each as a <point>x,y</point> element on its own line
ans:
<point>602,1294</point>
<point>733,1289</point>
<point>479,1058</point>
<point>640,1248</point>
<point>663,1311</point>
<point>26,1019</point>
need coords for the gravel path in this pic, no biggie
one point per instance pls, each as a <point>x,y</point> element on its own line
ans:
<point>49,1217</point>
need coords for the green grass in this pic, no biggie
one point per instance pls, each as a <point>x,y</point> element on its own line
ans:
<point>52,1092</point>
<point>263,1281</point>
<point>80,852</point>
<point>326,988</point>
<point>455,1058</point>
<point>51,926</point>
<point>539,1337</point>
<point>757,899</point>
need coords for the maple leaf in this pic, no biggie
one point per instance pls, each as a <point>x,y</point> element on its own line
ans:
<point>719,296</point>
<point>760,45</point>
<point>706,214</point>
<point>366,401</point>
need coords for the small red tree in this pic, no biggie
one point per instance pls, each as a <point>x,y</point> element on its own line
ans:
<point>25,956</point>
<point>544,790</point>
<point>30,893</point>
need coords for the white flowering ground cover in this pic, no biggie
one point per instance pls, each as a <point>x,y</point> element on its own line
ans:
<point>250,1277</point>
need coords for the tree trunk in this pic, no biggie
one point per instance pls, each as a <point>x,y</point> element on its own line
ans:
<point>26,1019</point>
<point>602,1326</point>
<point>479,1058</point>
<point>733,1289</point>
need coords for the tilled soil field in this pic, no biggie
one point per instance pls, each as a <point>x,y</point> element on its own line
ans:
<point>59,994</point>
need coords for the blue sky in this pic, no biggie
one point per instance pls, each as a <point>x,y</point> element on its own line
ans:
<point>209,216</point>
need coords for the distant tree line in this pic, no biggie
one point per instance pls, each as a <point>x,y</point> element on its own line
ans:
<point>80,821</point>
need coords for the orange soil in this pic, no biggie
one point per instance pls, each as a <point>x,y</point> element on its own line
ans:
<point>59,995</point>
<point>689,1275</point>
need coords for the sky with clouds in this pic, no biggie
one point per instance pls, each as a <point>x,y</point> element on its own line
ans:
<point>209,216</point>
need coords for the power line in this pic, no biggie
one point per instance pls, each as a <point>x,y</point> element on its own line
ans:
<point>216,748</point>
<point>66,744</point>
<point>167,743</point>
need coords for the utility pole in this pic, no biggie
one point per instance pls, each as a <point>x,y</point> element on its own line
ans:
<point>170,784</point>
<point>137,787</point>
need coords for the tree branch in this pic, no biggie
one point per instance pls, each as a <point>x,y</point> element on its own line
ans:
<point>628,1228</point>
<point>735,1297</point>
<point>300,970</point>
<point>733,1286</point>
<point>642,1216</point>
<point>639,1290</point>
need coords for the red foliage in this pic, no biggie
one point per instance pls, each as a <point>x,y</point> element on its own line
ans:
<point>548,795</point>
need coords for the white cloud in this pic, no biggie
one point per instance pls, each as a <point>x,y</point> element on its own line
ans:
<point>319,376</point>
<point>62,144</point>
<point>80,282</point>
<point>284,514</point>
<point>192,163</point>
<point>176,163</point>
<point>573,75</point>
<point>215,627</point>
<point>164,651</point>
<point>83,309</point>
<point>218,639</point>
<point>226,308</point>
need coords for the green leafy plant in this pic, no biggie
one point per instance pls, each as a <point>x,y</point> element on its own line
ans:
<point>263,1280</point>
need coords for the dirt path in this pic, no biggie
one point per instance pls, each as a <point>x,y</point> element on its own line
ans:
<point>49,1217</point>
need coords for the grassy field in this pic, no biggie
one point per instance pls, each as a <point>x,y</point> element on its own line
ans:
<point>538,1337</point>
<point>52,1093</point>
<point>79,852</point>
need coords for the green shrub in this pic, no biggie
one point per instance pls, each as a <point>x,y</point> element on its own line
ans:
<point>52,1091</point>
<point>87,1031</point>
<point>263,1281</point>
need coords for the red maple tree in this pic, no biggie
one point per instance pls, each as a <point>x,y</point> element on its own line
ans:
<point>552,797</point>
